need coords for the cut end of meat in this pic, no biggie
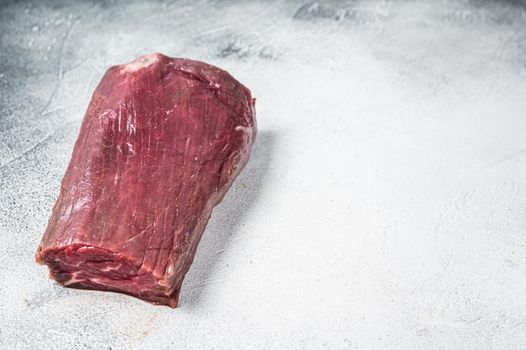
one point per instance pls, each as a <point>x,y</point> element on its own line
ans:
<point>88,267</point>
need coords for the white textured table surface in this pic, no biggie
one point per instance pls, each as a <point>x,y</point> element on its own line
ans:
<point>384,205</point>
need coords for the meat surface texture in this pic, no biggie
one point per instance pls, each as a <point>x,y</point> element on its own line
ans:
<point>162,141</point>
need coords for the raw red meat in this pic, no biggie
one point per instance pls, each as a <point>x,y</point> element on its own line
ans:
<point>162,141</point>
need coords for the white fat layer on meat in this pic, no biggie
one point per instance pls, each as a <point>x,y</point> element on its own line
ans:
<point>243,128</point>
<point>74,279</point>
<point>141,62</point>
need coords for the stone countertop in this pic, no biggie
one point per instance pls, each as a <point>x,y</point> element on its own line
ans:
<point>384,205</point>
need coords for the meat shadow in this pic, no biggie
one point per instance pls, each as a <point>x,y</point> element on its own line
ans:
<point>226,221</point>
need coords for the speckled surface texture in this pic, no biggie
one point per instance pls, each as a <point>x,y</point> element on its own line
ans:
<point>384,205</point>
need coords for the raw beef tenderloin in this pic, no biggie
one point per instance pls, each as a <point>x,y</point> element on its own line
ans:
<point>162,141</point>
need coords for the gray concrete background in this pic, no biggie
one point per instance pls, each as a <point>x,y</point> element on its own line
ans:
<point>384,205</point>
